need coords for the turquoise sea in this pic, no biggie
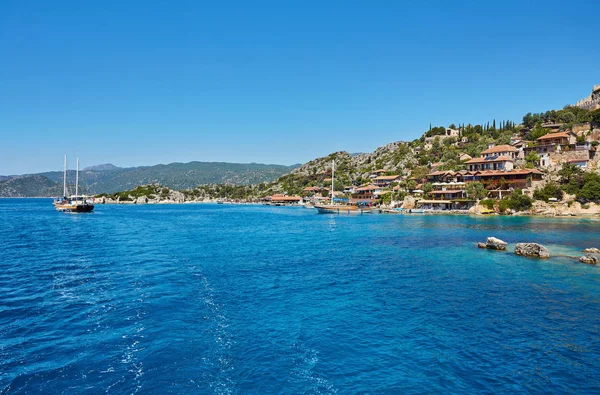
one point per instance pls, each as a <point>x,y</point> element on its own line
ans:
<point>224,299</point>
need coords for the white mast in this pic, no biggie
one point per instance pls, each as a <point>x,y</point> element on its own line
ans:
<point>65,178</point>
<point>77,178</point>
<point>332,175</point>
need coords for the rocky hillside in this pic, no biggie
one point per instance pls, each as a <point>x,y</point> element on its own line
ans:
<point>393,157</point>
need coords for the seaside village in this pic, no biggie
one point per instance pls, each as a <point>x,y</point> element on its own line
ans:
<point>501,169</point>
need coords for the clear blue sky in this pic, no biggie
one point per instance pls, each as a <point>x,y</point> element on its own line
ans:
<point>146,82</point>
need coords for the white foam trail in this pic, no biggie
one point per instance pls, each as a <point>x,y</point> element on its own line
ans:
<point>306,360</point>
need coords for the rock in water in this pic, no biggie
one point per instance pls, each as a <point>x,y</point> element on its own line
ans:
<point>495,244</point>
<point>589,259</point>
<point>593,250</point>
<point>532,249</point>
<point>481,245</point>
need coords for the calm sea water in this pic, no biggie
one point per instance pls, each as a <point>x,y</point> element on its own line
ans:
<point>221,299</point>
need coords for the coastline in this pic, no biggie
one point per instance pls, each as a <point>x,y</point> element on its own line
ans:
<point>594,216</point>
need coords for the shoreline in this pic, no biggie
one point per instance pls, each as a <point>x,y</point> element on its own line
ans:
<point>382,211</point>
<point>434,212</point>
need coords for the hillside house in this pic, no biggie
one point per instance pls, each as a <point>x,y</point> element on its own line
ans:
<point>581,163</point>
<point>384,181</point>
<point>309,191</point>
<point>558,139</point>
<point>377,173</point>
<point>551,126</point>
<point>499,157</point>
<point>499,182</point>
<point>367,193</point>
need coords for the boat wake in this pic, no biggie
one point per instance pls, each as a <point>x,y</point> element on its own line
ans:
<point>305,361</point>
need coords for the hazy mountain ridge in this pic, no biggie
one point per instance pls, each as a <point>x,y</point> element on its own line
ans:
<point>108,178</point>
<point>29,186</point>
<point>102,167</point>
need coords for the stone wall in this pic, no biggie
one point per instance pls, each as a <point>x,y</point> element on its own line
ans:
<point>558,158</point>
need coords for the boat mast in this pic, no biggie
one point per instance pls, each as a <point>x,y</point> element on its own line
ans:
<point>77,178</point>
<point>332,175</point>
<point>65,178</point>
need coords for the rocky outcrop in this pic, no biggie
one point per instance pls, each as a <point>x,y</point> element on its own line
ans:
<point>589,259</point>
<point>409,203</point>
<point>592,250</point>
<point>532,250</point>
<point>566,208</point>
<point>481,245</point>
<point>495,244</point>
<point>141,200</point>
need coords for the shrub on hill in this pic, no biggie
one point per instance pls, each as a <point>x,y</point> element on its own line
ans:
<point>488,203</point>
<point>584,185</point>
<point>590,190</point>
<point>550,190</point>
<point>476,190</point>
<point>517,201</point>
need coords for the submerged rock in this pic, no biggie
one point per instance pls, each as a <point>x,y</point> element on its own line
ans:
<point>495,244</point>
<point>532,250</point>
<point>593,250</point>
<point>589,259</point>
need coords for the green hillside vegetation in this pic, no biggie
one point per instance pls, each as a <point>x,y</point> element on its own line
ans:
<point>28,186</point>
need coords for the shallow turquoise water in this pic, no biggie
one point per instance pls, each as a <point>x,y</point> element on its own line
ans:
<point>220,299</point>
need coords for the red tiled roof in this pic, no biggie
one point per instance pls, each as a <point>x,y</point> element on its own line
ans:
<point>453,192</point>
<point>578,160</point>
<point>499,148</point>
<point>390,178</point>
<point>507,173</point>
<point>367,188</point>
<point>556,135</point>
<point>483,160</point>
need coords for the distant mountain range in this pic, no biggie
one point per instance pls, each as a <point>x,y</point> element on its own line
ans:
<point>108,178</point>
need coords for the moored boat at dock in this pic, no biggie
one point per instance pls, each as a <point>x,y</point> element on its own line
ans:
<point>340,205</point>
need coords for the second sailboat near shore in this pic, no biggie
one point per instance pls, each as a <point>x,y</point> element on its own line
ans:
<point>74,203</point>
<point>340,206</point>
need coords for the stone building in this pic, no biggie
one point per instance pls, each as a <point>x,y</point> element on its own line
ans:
<point>592,102</point>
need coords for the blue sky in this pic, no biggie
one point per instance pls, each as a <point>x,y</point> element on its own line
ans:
<point>146,82</point>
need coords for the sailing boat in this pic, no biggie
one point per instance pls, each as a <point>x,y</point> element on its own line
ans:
<point>342,206</point>
<point>75,203</point>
